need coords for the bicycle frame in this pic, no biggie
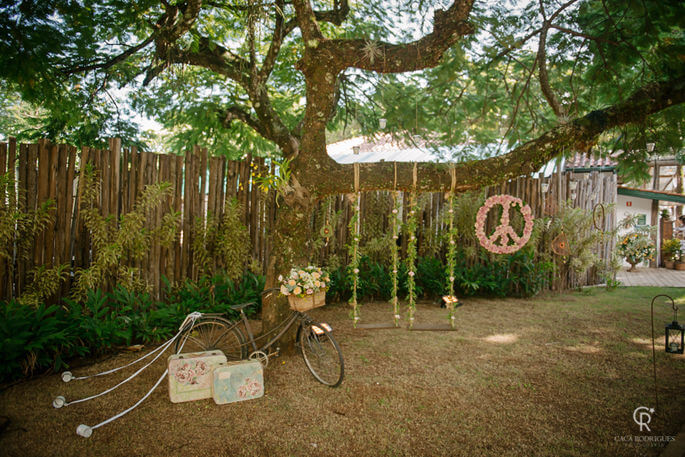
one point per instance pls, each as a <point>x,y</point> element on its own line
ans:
<point>287,323</point>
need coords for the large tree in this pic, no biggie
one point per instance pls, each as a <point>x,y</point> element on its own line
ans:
<point>540,78</point>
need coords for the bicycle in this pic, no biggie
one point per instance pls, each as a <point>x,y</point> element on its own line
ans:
<point>214,331</point>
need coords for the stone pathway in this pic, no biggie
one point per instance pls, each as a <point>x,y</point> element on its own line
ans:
<point>658,277</point>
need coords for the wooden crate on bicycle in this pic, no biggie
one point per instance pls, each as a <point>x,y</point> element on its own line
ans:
<point>237,381</point>
<point>190,375</point>
<point>307,302</point>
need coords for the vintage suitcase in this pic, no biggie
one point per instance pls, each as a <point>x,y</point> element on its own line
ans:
<point>190,375</point>
<point>237,381</point>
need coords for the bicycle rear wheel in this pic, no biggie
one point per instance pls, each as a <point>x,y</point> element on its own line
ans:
<point>321,354</point>
<point>214,333</point>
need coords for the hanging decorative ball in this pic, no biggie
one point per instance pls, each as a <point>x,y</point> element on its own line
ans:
<point>504,234</point>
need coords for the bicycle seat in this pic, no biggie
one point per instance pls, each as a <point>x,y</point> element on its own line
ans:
<point>241,306</point>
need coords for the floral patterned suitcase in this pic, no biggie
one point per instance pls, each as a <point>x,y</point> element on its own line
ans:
<point>237,381</point>
<point>190,375</point>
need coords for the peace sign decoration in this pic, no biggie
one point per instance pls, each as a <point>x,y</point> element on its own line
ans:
<point>504,234</point>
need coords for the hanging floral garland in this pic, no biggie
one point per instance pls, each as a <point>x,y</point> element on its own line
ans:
<point>451,299</point>
<point>395,255</point>
<point>504,232</point>
<point>411,254</point>
<point>353,249</point>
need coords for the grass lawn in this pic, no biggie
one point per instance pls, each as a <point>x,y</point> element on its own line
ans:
<point>557,375</point>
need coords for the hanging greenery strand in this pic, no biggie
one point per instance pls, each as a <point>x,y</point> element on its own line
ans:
<point>451,252</point>
<point>394,250</point>
<point>354,229</point>
<point>411,253</point>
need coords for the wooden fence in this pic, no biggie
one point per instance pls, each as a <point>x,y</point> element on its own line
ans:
<point>201,184</point>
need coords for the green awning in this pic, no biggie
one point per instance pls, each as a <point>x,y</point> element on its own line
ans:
<point>651,194</point>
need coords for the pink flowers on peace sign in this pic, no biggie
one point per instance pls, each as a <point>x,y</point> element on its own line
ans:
<point>504,234</point>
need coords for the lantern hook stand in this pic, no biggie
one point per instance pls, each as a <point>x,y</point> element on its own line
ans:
<point>673,325</point>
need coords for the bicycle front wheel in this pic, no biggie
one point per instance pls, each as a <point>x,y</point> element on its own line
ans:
<point>211,334</point>
<point>321,354</point>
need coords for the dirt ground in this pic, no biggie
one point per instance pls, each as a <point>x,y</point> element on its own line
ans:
<point>549,376</point>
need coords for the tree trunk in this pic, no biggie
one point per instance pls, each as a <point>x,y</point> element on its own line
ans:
<point>290,248</point>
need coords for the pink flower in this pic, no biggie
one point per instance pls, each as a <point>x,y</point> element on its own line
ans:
<point>411,273</point>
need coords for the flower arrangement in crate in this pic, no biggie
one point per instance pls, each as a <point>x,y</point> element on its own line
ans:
<point>636,247</point>
<point>305,287</point>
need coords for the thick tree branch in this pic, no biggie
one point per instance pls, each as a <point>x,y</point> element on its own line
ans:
<point>525,159</point>
<point>448,27</point>
<point>235,113</point>
<point>306,19</point>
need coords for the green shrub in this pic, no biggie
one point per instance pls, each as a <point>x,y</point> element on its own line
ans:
<point>33,339</point>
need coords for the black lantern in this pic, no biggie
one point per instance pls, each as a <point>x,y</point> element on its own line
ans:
<point>675,335</point>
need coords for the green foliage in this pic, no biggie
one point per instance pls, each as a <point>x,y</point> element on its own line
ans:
<point>46,337</point>
<point>19,227</point>
<point>116,247</point>
<point>671,249</point>
<point>222,245</point>
<point>44,283</point>
<point>519,274</point>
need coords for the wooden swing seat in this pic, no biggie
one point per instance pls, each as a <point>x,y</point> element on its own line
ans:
<point>377,326</point>
<point>432,327</point>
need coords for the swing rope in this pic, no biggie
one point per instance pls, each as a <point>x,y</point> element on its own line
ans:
<point>412,250</point>
<point>394,248</point>
<point>355,230</point>
<point>452,248</point>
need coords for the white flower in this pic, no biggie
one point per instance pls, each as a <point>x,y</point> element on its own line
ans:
<point>356,270</point>
<point>394,211</point>
<point>280,277</point>
<point>411,273</point>
<point>284,290</point>
<point>452,278</point>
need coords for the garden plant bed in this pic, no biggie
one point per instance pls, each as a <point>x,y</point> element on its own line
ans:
<point>549,376</point>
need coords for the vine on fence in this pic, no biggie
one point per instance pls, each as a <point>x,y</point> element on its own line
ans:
<point>116,248</point>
